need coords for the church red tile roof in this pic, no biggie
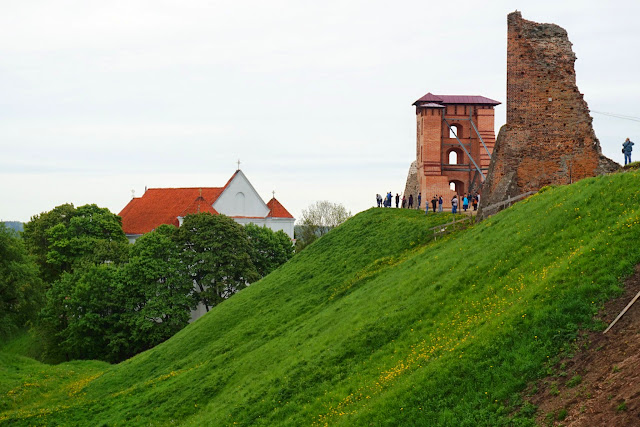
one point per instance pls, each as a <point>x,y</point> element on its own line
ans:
<point>276,210</point>
<point>456,99</point>
<point>160,206</point>
<point>164,205</point>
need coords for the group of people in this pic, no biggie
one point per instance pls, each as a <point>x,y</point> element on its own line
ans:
<point>387,201</point>
<point>467,201</point>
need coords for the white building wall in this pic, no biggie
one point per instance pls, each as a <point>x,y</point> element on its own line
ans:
<point>200,311</point>
<point>241,199</point>
<point>284,224</point>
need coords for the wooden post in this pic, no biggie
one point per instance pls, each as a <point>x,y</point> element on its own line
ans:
<point>622,312</point>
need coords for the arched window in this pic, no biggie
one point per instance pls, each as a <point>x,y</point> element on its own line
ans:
<point>453,157</point>
<point>457,186</point>
<point>455,130</point>
<point>239,203</point>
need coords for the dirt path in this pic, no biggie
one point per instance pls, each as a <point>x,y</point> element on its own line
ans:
<point>600,385</point>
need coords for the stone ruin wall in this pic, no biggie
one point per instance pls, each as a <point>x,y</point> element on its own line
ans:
<point>548,137</point>
<point>412,185</point>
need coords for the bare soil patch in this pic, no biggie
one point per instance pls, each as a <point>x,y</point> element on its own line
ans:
<point>600,385</point>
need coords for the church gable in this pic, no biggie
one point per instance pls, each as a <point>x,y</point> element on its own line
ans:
<point>240,199</point>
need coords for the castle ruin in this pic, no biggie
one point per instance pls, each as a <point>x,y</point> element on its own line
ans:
<point>548,138</point>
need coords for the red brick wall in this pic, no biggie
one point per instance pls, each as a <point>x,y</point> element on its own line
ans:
<point>433,147</point>
<point>548,138</point>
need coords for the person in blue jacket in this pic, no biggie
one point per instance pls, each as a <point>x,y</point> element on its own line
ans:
<point>627,146</point>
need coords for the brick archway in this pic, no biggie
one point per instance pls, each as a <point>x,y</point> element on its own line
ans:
<point>457,186</point>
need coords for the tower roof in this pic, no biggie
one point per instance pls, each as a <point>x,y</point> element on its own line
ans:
<point>430,98</point>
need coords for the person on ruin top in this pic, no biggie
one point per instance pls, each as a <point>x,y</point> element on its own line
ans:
<point>627,146</point>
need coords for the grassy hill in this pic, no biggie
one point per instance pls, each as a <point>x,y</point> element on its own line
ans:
<point>375,323</point>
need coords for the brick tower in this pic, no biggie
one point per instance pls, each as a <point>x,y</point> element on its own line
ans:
<point>455,139</point>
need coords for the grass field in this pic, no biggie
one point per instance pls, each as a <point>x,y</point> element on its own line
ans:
<point>375,323</point>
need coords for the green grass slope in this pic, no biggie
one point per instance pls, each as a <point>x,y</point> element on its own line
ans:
<point>375,323</point>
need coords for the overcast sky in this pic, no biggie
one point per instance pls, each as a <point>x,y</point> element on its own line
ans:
<point>314,97</point>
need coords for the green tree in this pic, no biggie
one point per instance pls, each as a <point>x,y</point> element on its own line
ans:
<point>21,293</point>
<point>269,249</point>
<point>112,312</point>
<point>37,239</point>
<point>93,236</point>
<point>318,219</point>
<point>161,289</point>
<point>85,315</point>
<point>216,251</point>
<point>66,237</point>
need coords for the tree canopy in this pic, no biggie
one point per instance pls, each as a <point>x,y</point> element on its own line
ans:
<point>318,219</point>
<point>67,237</point>
<point>21,292</point>
<point>161,290</point>
<point>109,300</point>
<point>269,249</point>
<point>216,251</point>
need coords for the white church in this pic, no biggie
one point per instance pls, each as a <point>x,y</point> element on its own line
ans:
<point>237,199</point>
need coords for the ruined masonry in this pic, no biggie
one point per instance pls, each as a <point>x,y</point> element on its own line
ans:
<point>548,137</point>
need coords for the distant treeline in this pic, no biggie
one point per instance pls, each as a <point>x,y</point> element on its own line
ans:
<point>14,225</point>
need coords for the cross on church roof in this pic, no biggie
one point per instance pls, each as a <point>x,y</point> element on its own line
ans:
<point>274,193</point>
<point>238,164</point>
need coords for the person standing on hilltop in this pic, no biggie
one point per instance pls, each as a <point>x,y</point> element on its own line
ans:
<point>397,200</point>
<point>410,201</point>
<point>404,201</point>
<point>440,202</point>
<point>419,200</point>
<point>454,204</point>
<point>378,199</point>
<point>627,147</point>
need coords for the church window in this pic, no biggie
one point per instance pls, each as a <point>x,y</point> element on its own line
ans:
<point>239,203</point>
